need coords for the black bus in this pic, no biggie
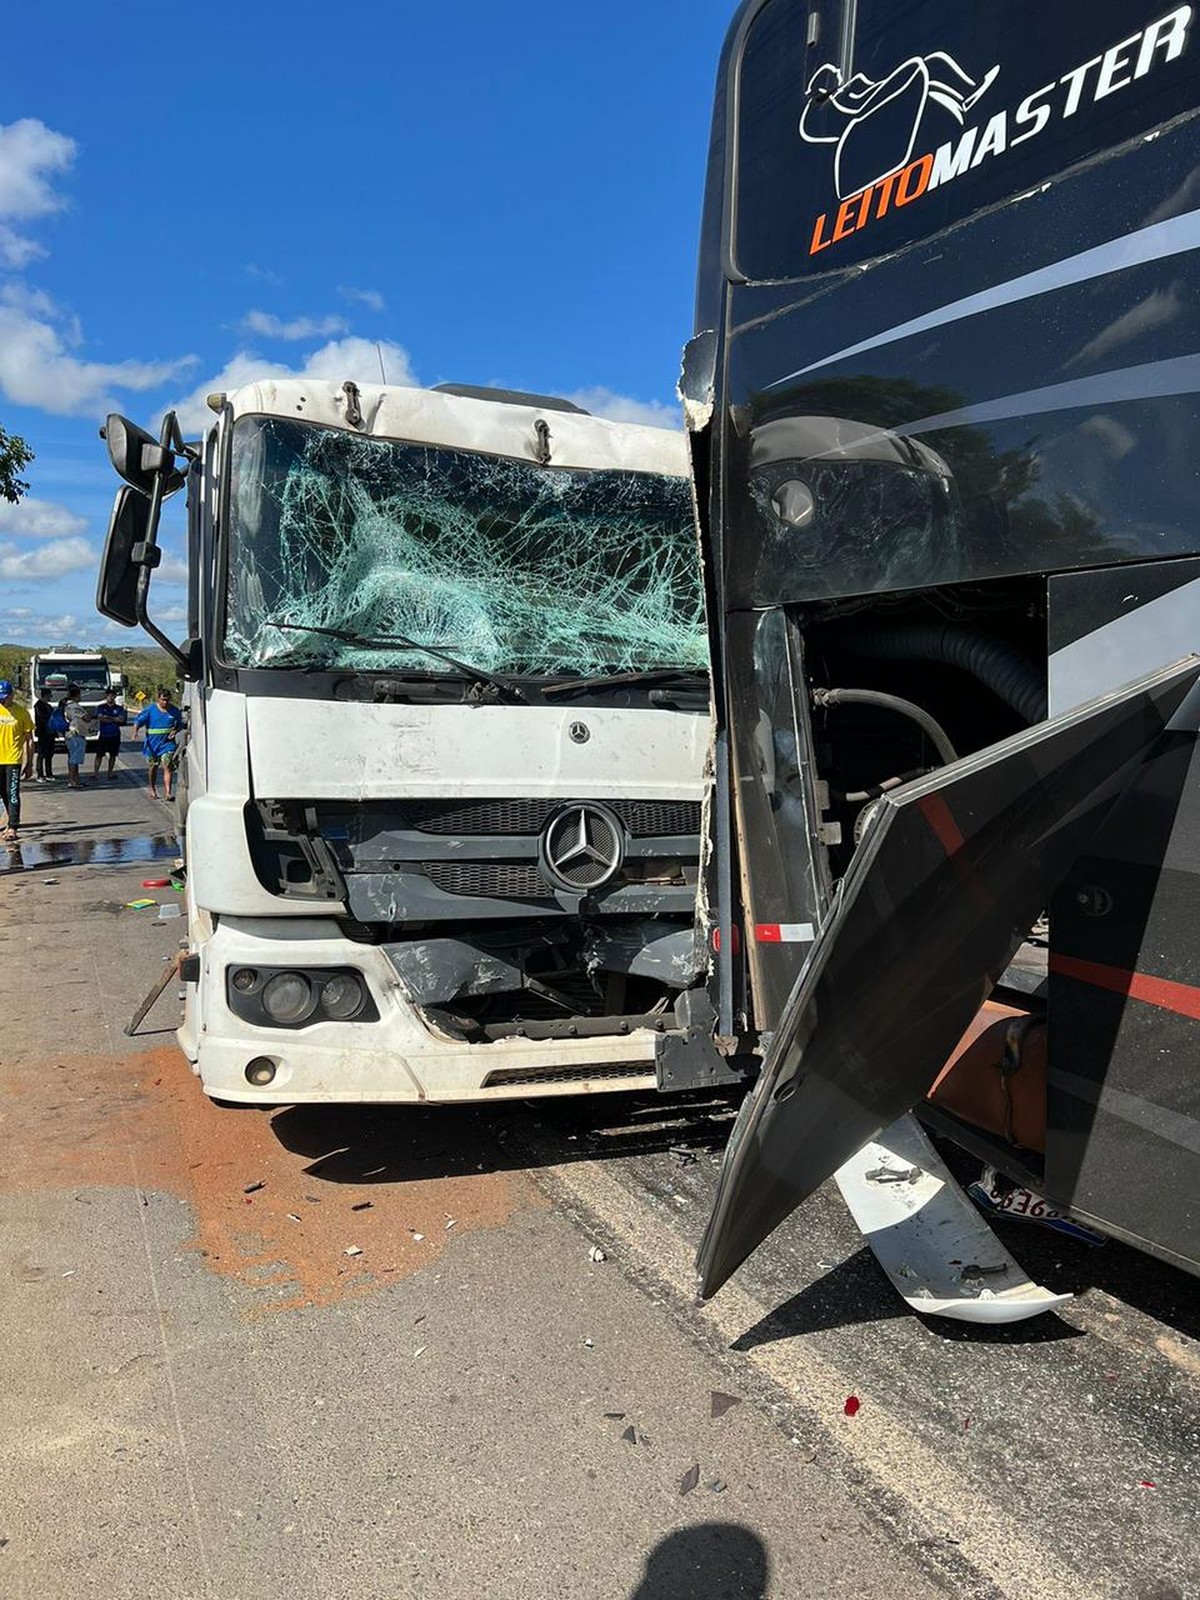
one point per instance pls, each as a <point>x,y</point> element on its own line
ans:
<point>944,404</point>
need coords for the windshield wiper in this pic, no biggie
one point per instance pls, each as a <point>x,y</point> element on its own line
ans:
<point>648,675</point>
<point>475,675</point>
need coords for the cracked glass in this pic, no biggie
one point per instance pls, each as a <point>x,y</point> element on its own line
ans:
<point>508,566</point>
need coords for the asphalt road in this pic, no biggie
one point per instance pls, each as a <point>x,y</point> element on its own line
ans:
<point>340,1352</point>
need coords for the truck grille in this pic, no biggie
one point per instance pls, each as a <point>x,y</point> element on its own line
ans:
<point>643,818</point>
<point>489,880</point>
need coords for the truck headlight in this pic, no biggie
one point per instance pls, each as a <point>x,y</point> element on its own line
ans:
<point>342,997</point>
<point>288,997</point>
<point>299,997</point>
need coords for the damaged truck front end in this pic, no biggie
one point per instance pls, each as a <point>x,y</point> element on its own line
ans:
<point>446,777</point>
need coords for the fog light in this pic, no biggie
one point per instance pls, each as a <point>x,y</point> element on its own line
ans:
<point>244,979</point>
<point>260,1072</point>
<point>288,997</point>
<point>342,997</point>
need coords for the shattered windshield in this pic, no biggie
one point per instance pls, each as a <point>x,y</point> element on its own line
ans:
<point>508,566</point>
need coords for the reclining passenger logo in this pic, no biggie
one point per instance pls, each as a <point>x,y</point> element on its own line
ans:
<point>874,124</point>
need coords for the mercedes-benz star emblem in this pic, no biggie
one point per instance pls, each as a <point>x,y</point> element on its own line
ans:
<point>583,846</point>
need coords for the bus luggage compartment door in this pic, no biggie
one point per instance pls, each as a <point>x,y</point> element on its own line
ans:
<point>951,872</point>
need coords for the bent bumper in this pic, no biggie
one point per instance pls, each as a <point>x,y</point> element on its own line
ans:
<point>398,1058</point>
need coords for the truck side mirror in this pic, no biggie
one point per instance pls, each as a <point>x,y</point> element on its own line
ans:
<point>116,588</point>
<point>137,456</point>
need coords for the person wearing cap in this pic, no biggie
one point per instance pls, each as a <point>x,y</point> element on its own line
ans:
<point>16,757</point>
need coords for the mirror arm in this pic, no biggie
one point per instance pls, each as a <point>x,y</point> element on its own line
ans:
<point>150,555</point>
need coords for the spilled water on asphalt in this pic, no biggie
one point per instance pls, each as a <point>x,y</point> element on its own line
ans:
<point>30,854</point>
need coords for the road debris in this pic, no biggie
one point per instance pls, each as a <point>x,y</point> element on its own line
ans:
<point>362,1205</point>
<point>852,1406</point>
<point>420,1350</point>
<point>139,905</point>
<point>253,1188</point>
<point>588,1345</point>
<point>721,1403</point>
<point>156,883</point>
<point>353,1250</point>
<point>596,1254</point>
<point>614,1416</point>
<point>451,1222</point>
<point>716,1486</point>
<point>292,1217</point>
<point>690,1479</point>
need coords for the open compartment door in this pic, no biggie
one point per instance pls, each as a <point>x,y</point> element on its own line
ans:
<point>951,873</point>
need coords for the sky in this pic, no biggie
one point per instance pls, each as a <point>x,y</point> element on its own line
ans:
<point>492,193</point>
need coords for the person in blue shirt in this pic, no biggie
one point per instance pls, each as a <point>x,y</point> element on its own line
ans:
<point>111,719</point>
<point>161,723</point>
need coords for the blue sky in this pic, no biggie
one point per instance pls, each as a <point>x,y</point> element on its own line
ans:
<point>495,193</point>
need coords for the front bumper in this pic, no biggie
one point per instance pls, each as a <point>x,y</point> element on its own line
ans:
<point>397,1059</point>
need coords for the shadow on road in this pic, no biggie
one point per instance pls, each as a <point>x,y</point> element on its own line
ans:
<point>405,1144</point>
<point>709,1559</point>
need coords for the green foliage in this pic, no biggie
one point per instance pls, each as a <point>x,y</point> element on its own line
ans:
<point>15,455</point>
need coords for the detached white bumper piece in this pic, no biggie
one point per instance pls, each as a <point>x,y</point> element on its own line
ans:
<point>927,1236</point>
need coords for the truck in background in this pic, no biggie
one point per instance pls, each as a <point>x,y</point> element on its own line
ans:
<point>449,716</point>
<point>55,671</point>
<point>944,418</point>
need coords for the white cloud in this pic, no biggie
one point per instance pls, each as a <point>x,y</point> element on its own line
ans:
<point>603,402</point>
<point>54,559</point>
<point>171,570</point>
<point>39,519</point>
<point>271,327</point>
<point>371,298</point>
<point>263,274</point>
<point>37,369</point>
<point>339,359</point>
<point>40,630</point>
<point>31,154</point>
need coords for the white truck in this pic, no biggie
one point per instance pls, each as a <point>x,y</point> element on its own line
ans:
<point>55,671</point>
<point>443,788</point>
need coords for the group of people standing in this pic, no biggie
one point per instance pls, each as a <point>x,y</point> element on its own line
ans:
<point>24,738</point>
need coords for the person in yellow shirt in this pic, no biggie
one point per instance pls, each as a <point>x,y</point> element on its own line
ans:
<point>16,756</point>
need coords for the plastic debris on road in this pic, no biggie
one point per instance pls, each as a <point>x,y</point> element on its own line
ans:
<point>852,1406</point>
<point>690,1479</point>
<point>354,1250</point>
<point>139,905</point>
<point>721,1403</point>
<point>253,1188</point>
<point>596,1254</point>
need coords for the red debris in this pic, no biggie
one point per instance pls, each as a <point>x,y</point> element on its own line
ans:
<point>157,1081</point>
<point>852,1405</point>
<point>966,1423</point>
<point>1145,1483</point>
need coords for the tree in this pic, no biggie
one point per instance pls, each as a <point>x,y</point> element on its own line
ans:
<point>15,455</point>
